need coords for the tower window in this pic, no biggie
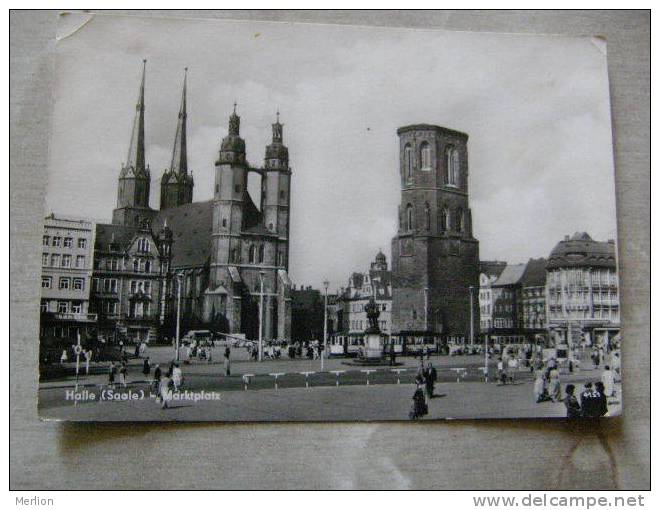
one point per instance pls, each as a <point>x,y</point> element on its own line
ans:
<point>460,220</point>
<point>427,215</point>
<point>251,254</point>
<point>217,188</point>
<point>408,161</point>
<point>224,222</point>
<point>444,220</point>
<point>409,217</point>
<point>425,153</point>
<point>261,254</point>
<point>452,165</point>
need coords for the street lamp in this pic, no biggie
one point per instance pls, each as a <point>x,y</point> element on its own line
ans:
<point>472,315</point>
<point>261,313</point>
<point>325,321</point>
<point>179,278</point>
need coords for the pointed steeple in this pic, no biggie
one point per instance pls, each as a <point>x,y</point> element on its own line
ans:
<point>135,158</point>
<point>179,154</point>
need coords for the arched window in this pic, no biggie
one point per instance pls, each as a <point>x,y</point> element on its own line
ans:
<point>136,266</point>
<point>460,220</point>
<point>409,217</point>
<point>261,254</point>
<point>452,165</point>
<point>147,267</point>
<point>425,156</point>
<point>251,254</point>
<point>408,161</point>
<point>427,215</point>
<point>444,219</point>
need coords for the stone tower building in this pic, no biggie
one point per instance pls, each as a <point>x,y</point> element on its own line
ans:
<point>176,185</point>
<point>135,179</point>
<point>249,243</point>
<point>435,258</point>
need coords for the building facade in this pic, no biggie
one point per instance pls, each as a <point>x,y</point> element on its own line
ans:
<point>66,279</point>
<point>507,312</point>
<point>435,257</point>
<point>489,272</point>
<point>582,291</point>
<point>225,256</point>
<point>532,302</point>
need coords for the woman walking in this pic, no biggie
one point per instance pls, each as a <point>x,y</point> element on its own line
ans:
<point>419,407</point>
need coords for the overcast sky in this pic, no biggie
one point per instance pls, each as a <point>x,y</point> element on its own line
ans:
<point>536,109</point>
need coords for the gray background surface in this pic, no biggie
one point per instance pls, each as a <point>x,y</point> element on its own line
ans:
<point>503,454</point>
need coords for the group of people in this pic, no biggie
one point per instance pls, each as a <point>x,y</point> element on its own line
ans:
<point>426,378</point>
<point>118,374</point>
<point>592,402</point>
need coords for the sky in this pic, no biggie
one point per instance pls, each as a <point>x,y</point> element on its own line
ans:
<point>536,109</point>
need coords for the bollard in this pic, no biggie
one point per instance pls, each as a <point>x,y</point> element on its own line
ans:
<point>367,372</point>
<point>398,374</point>
<point>337,372</point>
<point>306,374</point>
<point>276,375</point>
<point>246,380</point>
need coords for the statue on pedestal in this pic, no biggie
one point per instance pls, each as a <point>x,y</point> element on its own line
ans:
<point>372,316</point>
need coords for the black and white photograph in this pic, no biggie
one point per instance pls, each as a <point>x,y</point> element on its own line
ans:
<point>271,222</point>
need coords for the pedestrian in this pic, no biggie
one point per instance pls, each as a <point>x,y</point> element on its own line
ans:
<point>157,376</point>
<point>392,356</point>
<point>607,379</point>
<point>616,366</point>
<point>431,378</point>
<point>177,377</point>
<point>501,373</point>
<point>571,403</point>
<point>137,349</point>
<point>600,405</point>
<point>227,362</point>
<point>146,368</point>
<point>112,372</point>
<point>419,407</point>
<point>539,387</point>
<point>589,401</point>
<point>143,348</point>
<point>121,346</point>
<point>512,368</point>
<point>165,391</point>
<point>123,373</point>
<point>554,386</point>
<point>595,357</point>
<point>64,358</point>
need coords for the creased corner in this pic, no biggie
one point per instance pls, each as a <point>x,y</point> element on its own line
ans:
<point>600,42</point>
<point>71,22</point>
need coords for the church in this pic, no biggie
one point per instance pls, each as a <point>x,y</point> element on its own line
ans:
<point>226,255</point>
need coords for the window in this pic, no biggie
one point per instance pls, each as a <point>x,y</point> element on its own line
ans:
<point>460,220</point>
<point>427,215</point>
<point>110,285</point>
<point>147,287</point>
<point>55,260</point>
<point>224,222</point>
<point>147,266</point>
<point>138,309</point>
<point>452,164</point>
<point>409,217</point>
<point>282,194</point>
<point>408,162</point>
<point>68,242</point>
<point>133,286</point>
<point>425,153</point>
<point>57,241</point>
<point>110,307</point>
<point>82,243</point>
<point>76,307</point>
<point>136,266</point>
<point>251,254</point>
<point>144,245</point>
<point>46,241</point>
<point>65,283</point>
<point>66,260</point>
<point>444,219</point>
<point>80,261</point>
<point>78,284</point>
<point>46,282</point>
<point>44,259</point>
<point>63,306</point>
<point>96,284</point>
<point>44,306</point>
<point>261,254</point>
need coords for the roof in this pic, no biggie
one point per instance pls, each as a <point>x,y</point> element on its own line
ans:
<point>491,267</point>
<point>431,127</point>
<point>511,275</point>
<point>118,235</point>
<point>581,250</point>
<point>534,275</point>
<point>191,226</point>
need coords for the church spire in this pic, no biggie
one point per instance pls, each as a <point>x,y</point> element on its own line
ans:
<point>179,153</point>
<point>135,158</point>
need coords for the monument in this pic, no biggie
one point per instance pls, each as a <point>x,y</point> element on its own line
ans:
<point>373,340</point>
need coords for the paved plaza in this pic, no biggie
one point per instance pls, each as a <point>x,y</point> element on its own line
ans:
<point>340,392</point>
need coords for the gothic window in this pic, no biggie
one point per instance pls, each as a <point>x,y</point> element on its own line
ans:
<point>147,267</point>
<point>261,254</point>
<point>408,161</point>
<point>444,220</point>
<point>452,164</point>
<point>409,217</point>
<point>460,220</point>
<point>251,254</point>
<point>224,222</point>
<point>427,215</point>
<point>425,156</point>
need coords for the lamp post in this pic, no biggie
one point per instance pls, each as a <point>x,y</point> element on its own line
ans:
<point>179,278</point>
<point>471,315</point>
<point>325,320</point>
<point>261,316</point>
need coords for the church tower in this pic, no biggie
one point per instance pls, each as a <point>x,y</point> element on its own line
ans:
<point>435,257</point>
<point>276,188</point>
<point>176,185</point>
<point>135,179</point>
